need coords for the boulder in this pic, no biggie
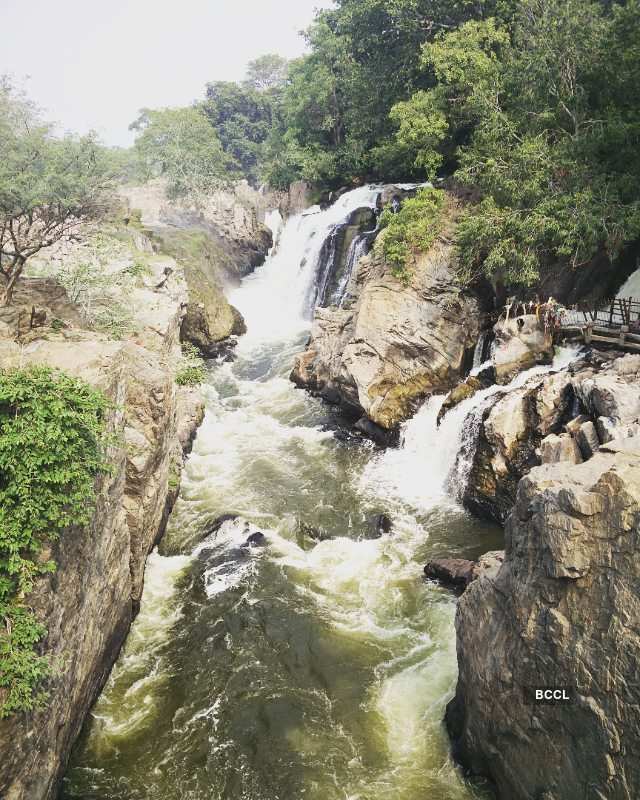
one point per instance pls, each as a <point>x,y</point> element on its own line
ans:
<point>561,612</point>
<point>456,573</point>
<point>564,447</point>
<point>587,439</point>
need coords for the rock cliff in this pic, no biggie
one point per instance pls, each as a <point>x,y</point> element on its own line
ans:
<point>562,612</point>
<point>88,604</point>
<point>395,342</point>
<point>565,416</point>
<point>217,243</point>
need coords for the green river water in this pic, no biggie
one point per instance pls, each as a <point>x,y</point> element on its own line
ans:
<point>318,666</point>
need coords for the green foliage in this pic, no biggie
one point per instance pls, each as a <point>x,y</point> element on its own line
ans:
<point>364,58</point>
<point>51,427</point>
<point>48,185</point>
<point>555,149</point>
<point>411,231</point>
<point>191,370</point>
<point>180,145</point>
<point>241,116</point>
<point>267,73</point>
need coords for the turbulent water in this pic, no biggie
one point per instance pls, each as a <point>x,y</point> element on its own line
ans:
<point>319,665</point>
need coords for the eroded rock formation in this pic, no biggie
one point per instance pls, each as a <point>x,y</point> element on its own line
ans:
<point>565,417</point>
<point>396,342</point>
<point>88,604</point>
<point>562,612</point>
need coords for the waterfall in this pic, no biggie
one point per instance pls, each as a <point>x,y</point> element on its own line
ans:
<point>433,462</point>
<point>335,267</point>
<point>274,300</point>
<point>483,351</point>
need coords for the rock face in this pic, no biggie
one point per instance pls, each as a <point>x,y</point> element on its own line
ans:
<point>216,243</point>
<point>509,436</point>
<point>233,221</point>
<point>395,343</point>
<point>562,611</point>
<point>521,343</point>
<point>88,604</point>
<point>563,417</point>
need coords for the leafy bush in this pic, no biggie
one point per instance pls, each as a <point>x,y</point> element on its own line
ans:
<point>410,231</point>
<point>51,429</point>
<point>191,370</point>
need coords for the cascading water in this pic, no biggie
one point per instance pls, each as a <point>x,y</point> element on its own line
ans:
<point>318,665</point>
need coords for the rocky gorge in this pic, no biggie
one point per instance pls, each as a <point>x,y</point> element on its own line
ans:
<point>544,444</point>
<point>118,325</point>
<point>551,453</point>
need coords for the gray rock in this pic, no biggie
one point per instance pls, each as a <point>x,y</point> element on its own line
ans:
<point>89,603</point>
<point>564,447</point>
<point>587,439</point>
<point>562,611</point>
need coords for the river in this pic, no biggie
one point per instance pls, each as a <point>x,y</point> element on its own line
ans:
<point>316,666</point>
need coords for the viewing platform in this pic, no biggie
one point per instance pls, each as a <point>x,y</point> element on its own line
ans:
<point>618,326</point>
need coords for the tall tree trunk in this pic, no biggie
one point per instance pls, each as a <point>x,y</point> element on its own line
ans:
<point>7,295</point>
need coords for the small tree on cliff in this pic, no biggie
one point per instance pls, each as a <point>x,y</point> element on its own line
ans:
<point>48,185</point>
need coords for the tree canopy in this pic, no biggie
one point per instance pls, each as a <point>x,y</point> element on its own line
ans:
<point>180,145</point>
<point>48,185</point>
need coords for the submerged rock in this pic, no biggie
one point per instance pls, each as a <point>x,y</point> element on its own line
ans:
<point>561,612</point>
<point>379,525</point>
<point>458,573</point>
<point>256,539</point>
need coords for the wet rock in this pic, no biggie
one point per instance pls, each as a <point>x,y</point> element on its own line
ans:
<point>257,539</point>
<point>456,573</point>
<point>381,436</point>
<point>468,388</point>
<point>379,525</point>
<point>218,522</point>
<point>562,611</point>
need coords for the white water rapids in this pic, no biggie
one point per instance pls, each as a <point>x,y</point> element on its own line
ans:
<point>318,666</point>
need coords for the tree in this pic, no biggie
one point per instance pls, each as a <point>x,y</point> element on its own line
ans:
<point>180,145</point>
<point>242,117</point>
<point>267,73</point>
<point>48,186</point>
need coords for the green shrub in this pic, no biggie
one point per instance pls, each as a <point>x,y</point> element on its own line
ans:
<point>410,231</point>
<point>51,450</point>
<point>191,370</point>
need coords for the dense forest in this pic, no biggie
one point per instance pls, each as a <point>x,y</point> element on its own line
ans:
<point>533,105</point>
<point>528,108</point>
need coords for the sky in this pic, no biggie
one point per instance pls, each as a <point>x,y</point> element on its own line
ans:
<point>92,64</point>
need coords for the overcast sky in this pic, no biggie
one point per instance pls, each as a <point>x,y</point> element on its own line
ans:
<point>93,64</point>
